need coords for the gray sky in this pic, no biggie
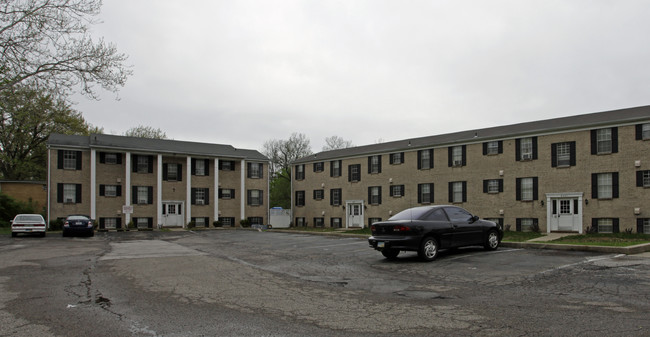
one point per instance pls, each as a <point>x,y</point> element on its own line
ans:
<point>243,72</point>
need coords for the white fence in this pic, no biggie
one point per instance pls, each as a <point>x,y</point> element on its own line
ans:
<point>280,218</point>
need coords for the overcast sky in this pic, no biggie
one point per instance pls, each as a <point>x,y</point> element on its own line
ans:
<point>244,72</point>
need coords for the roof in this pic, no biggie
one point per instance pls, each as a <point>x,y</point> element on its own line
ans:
<point>598,119</point>
<point>136,144</point>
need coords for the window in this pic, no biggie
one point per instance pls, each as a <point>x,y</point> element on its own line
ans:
<point>397,191</point>
<point>172,172</point>
<point>201,222</point>
<point>373,220</point>
<point>605,225</point>
<point>604,185</point>
<point>300,222</point>
<point>70,193</point>
<point>255,197</point>
<point>493,147</point>
<point>227,221</point>
<point>144,222</point>
<point>457,156</point>
<point>493,186</point>
<point>226,193</point>
<point>336,223</point>
<point>226,165</point>
<point>425,193</point>
<point>300,172</point>
<point>110,158</point>
<point>374,195</point>
<point>255,170</point>
<point>142,195</point>
<point>319,194</point>
<point>319,222</point>
<point>527,224</point>
<point>109,223</point>
<point>200,196</point>
<point>458,191</point>
<point>374,164</point>
<point>563,154</point>
<point>643,178</point>
<point>300,198</point>
<point>335,197</point>
<point>425,159</point>
<point>604,141</point>
<point>354,172</point>
<point>335,168</point>
<point>110,190</point>
<point>200,167</point>
<point>643,131</point>
<point>527,189</point>
<point>256,220</point>
<point>643,225</point>
<point>526,148</point>
<point>319,167</point>
<point>142,164</point>
<point>397,158</point>
<point>70,160</point>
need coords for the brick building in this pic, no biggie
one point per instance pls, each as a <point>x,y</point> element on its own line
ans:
<point>155,183</point>
<point>563,174</point>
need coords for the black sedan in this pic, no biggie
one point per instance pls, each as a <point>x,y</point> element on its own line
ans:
<point>80,224</point>
<point>428,229</point>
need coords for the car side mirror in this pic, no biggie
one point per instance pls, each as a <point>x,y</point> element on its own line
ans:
<point>474,219</point>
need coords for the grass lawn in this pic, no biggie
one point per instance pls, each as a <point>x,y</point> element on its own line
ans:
<point>5,230</point>
<point>519,236</point>
<point>613,240</point>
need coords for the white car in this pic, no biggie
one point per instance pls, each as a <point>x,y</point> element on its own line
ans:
<point>28,223</point>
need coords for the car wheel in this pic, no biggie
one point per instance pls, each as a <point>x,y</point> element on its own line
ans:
<point>492,241</point>
<point>390,254</point>
<point>428,249</point>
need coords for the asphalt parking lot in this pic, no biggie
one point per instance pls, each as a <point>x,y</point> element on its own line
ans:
<point>250,283</point>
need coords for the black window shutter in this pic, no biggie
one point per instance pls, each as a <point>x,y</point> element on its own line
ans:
<point>518,189</point>
<point>370,195</point>
<point>78,194</point>
<point>261,170</point>
<point>500,146</point>
<point>464,191</point>
<point>331,169</point>
<point>594,142</point>
<point>431,158</point>
<point>248,197</point>
<point>207,167</point>
<point>150,162</point>
<point>518,225</point>
<point>639,178</point>
<point>59,193</point>
<point>59,159</point>
<point>118,190</point>
<point>179,172</point>
<point>379,163</point>
<point>616,226</point>
<point>572,152</point>
<point>102,190</point>
<point>134,163</point>
<point>390,192</point>
<point>517,150</point>
<point>119,160</point>
<point>102,157</point>
<point>450,156</point>
<point>165,167</point>
<point>207,196</point>
<point>534,147</point>
<point>419,193</point>
<point>594,225</point>
<point>576,208</point>
<point>349,172</point>
<point>193,196</point>
<point>232,193</point>
<point>638,134</point>
<point>193,168</point>
<point>78,167</point>
<point>535,188</point>
<point>615,185</point>
<point>401,188</point>
<point>134,194</point>
<point>614,140</point>
<point>370,164</point>
<point>554,206</point>
<point>485,186</point>
<point>500,185</point>
<point>150,195</point>
<point>464,155</point>
<point>261,197</point>
<point>594,185</point>
<point>451,191</point>
<point>118,223</point>
<point>554,155</point>
<point>248,170</point>
<point>379,194</point>
<point>639,225</point>
<point>220,193</point>
<point>419,160</point>
<point>485,147</point>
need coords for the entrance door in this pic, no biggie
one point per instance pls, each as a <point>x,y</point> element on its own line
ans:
<point>172,214</point>
<point>355,215</point>
<point>565,214</point>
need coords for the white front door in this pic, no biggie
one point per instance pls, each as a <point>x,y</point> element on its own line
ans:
<point>565,215</point>
<point>355,214</point>
<point>172,214</point>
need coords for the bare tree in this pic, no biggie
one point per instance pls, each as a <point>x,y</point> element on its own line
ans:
<point>283,153</point>
<point>145,132</point>
<point>45,44</point>
<point>336,142</point>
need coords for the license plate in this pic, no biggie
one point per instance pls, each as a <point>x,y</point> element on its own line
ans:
<point>380,244</point>
<point>28,230</point>
<point>78,223</point>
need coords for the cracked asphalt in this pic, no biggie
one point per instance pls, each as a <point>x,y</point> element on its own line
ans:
<point>250,283</point>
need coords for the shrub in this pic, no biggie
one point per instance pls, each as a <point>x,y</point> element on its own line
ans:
<point>191,225</point>
<point>56,225</point>
<point>245,223</point>
<point>217,224</point>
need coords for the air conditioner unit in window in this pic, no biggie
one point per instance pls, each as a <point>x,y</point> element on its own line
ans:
<point>527,156</point>
<point>142,201</point>
<point>199,202</point>
<point>69,201</point>
<point>458,163</point>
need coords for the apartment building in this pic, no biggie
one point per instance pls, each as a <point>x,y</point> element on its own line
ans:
<point>571,174</point>
<point>155,183</point>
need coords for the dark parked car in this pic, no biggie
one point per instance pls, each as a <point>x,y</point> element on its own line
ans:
<point>80,224</point>
<point>428,229</point>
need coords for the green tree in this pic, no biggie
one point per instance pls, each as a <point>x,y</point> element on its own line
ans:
<point>28,117</point>
<point>280,190</point>
<point>282,154</point>
<point>142,131</point>
<point>9,208</point>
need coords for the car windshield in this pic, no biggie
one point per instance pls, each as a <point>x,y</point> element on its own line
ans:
<point>31,218</point>
<point>411,213</point>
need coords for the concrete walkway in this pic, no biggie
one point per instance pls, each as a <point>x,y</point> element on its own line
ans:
<point>550,237</point>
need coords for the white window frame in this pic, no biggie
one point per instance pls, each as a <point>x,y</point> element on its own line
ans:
<point>605,186</point>
<point>255,198</point>
<point>527,224</point>
<point>336,168</point>
<point>143,164</point>
<point>110,158</point>
<point>374,164</point>
<point>493,186</point>
<point>605,225</point>
<point>425,159</point>
<point>319,194</point>
<point>396,158</point>
<point>563,153</point>
<point>457,188</point>
<point>336,196</point>
<point>374,195</point>
<point>199,167</point>
<point>355,172</point>
<point>172,172</point>
<point>604,141</point>
<point>646,178</point>
<point>69,193</point>
<point>69,160</point>
<point>457,155</point>
<point>143,195</point>
<point>199,222</point>
<point>493,147</point>
<point>110,223</point>
<point>255,170</point>
<point>199,196</point>
<point>526,148</point>
<point>526,189</point>
<point>397,190</point>
<point>425,193</point>
<point>110,190</point>
<point>645,131</point>
<point>142,222</point>
<point>646,226</point>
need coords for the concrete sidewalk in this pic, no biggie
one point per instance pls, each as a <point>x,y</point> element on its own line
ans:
<point>550,237</point>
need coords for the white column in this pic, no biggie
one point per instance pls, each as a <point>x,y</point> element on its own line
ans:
<point>128,188</point>
<point>159,191</point>
<point>188,200</point>
<point>93,184</point>
<point>216,189</point>
<point>243,193</point>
